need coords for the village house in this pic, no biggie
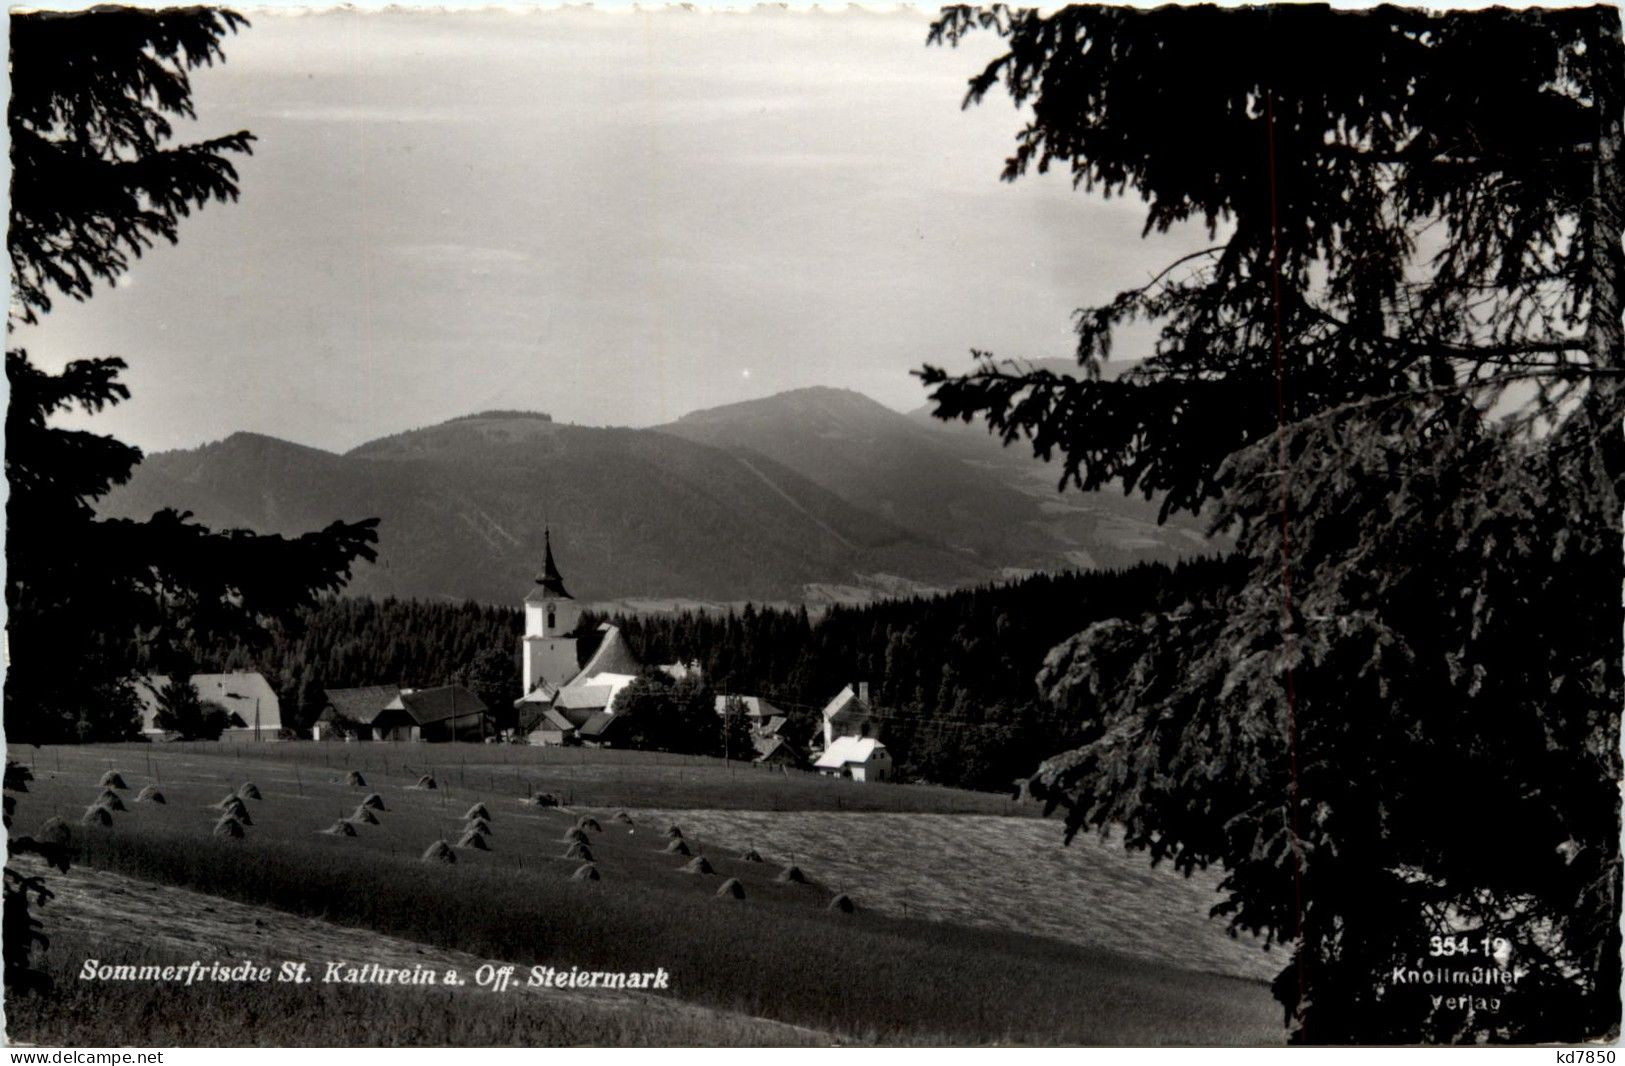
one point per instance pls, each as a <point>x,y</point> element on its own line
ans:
<point>250,701</point>
<point>776,751</point>
<point>387,712</point>
<point>852,747</point>
<point>766,723</point>
<point>349,712</point>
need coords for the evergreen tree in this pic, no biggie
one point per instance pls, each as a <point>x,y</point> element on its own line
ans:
<point>1395,371</point>
<point>94,182</point>
<point>182,711</point>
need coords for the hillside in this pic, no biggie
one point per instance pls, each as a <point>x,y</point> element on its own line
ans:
<point>463,506</point>
<point>818,495</point>
<point>953,482</point>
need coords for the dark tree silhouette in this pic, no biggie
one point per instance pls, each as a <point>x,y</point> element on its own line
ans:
<point>93,94</point>
<point>1395,370</point>
<point>93,184</point>
<point>493,675</point>
<point>182,711</point>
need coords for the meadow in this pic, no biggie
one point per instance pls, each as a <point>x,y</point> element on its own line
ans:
<point>778,954</point>
<point>592,777</point>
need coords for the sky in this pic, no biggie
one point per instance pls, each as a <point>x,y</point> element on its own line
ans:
<point>615,217</point>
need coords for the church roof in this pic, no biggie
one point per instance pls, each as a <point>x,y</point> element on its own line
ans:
<point>550,585</point>
<point>612,657</point>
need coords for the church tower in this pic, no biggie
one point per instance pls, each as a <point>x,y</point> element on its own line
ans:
<point>551,615</point>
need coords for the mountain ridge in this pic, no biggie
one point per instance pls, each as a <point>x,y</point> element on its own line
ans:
<point>817,495</point>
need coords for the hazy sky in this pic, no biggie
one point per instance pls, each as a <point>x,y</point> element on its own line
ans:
<point>614,217</point>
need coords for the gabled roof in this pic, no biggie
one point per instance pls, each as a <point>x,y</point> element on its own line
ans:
<point>767,747</point>
<point>597,724</point>
<point>427,705</point>
<point>549,585</point>
<point>548,718</point>
<point>847,750</point>
<point>755,706</point>
<point>846,702</point>
<point>361,704</point>
<point>542,693</point>
<point>773,725</point>
<point>598,695</point>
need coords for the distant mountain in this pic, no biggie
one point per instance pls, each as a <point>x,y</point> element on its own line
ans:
<point>819,496</point>
<point>635,513</point>
<point>952,482</point>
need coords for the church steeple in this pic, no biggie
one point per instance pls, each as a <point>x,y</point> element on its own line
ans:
<point>551,618</point>
<point>550,581</point>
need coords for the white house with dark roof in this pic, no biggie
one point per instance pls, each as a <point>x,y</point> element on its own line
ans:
<point>849,714</point>
<point>860,758</point>
<point>852,747</point>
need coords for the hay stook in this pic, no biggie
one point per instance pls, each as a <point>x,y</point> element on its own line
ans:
<point>439,851</point>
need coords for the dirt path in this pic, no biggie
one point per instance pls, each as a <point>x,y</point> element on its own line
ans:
<point>129,916</point>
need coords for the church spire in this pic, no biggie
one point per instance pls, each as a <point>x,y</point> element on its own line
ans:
<point>550,579</point>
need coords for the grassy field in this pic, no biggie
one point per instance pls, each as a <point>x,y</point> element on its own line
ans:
<point>779,954</point>
<point>1003,873</point>
<point>597,777</point>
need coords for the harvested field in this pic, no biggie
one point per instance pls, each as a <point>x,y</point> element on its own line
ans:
<point>578,777</point>
<point>1002,873</point>
<point>767,954</point>
<point>117,919</point>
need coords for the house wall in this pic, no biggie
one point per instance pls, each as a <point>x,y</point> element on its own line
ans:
<point>247,735</point>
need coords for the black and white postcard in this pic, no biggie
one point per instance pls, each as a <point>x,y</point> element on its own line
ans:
<point>667,526</point>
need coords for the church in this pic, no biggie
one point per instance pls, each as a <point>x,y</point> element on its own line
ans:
<point>564,703</point>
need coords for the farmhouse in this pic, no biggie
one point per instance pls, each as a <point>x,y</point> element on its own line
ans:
<point>756,710</point>
<point>775,751</point>
<point>256,713</point>
<point>860,758</point>
<point>849,714</point>
<point>350,711</point>
<point>766,722</point>
<point>851,746</point>
<point>388,712</point>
